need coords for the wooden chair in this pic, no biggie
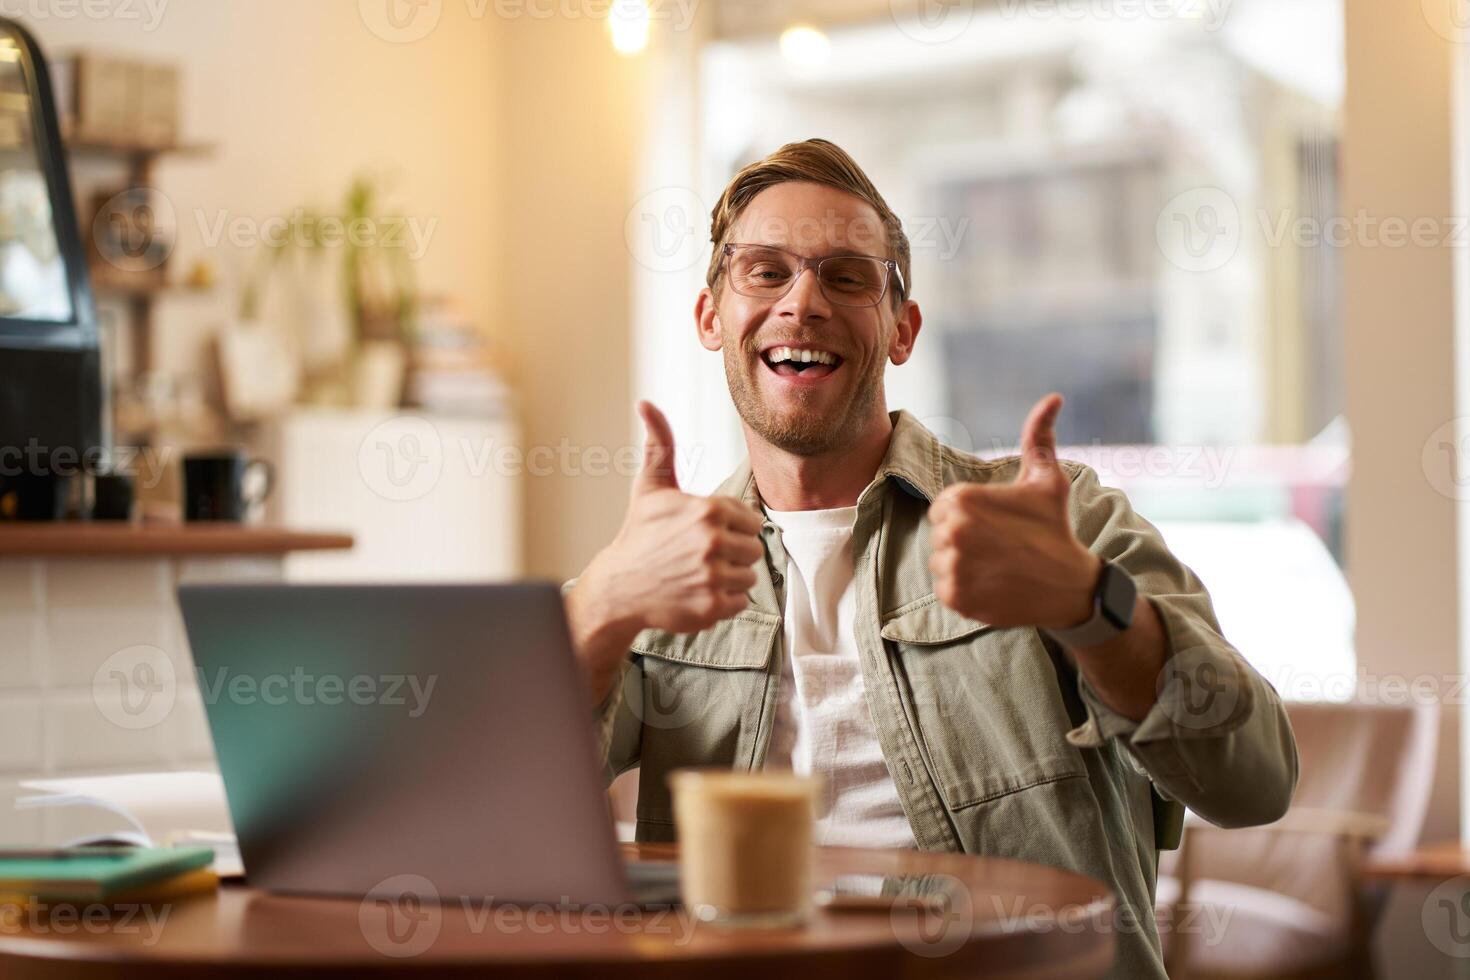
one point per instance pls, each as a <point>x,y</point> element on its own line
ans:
<point>1285,901</point>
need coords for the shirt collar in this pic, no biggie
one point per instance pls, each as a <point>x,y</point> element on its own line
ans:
<point>912,459</point>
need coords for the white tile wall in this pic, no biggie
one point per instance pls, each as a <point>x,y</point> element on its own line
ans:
<point>23,642</point>
<point>60,620</point>
<point>107,583</point>
<point>20,584</point>
<point>20,731</point>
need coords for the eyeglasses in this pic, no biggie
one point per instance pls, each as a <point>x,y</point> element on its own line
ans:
<point>766,272</point>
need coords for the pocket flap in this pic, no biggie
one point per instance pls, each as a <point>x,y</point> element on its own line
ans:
<point>928,620</point>
<point>740,643</point>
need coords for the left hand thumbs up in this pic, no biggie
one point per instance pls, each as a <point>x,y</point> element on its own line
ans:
<point>1006,554</point>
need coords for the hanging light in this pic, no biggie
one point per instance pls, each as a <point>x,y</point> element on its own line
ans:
<point>803,45</point>
<point>627,22</point>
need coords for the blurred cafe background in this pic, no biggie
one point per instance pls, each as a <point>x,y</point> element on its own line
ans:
<point>419,259</point>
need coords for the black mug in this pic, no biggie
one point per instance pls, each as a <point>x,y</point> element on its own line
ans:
<point>214,485</point>
<point>34,496</point>
<point>112,497</point>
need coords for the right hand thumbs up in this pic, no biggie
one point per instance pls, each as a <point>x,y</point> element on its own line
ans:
<point>658,452</point>
<point>681,562</point>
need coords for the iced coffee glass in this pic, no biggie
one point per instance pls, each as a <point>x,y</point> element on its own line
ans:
<point>745,845</point>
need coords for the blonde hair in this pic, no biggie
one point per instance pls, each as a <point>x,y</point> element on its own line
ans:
<point>818,161</point>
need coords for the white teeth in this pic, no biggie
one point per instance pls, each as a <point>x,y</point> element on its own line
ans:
<point>779,354</point>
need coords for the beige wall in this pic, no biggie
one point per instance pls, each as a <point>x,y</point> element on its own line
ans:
<point>1399,309</point>
<point>298,99</point>
<point>515,136</point>
<point>573,124</point>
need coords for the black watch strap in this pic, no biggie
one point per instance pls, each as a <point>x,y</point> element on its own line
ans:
<point>1112,610</point>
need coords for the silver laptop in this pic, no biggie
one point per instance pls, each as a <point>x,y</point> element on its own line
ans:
<point>365,733</point>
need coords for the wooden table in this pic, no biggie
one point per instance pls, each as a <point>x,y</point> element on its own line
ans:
<point>1430,862</point>
<point>1444,865</point>
<point>1012,920</point>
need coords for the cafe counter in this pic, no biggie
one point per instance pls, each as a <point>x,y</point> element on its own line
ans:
<point>89,624</point>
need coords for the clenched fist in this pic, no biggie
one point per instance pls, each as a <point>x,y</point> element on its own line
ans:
<point>680,562</point>
<point>1006,554</point>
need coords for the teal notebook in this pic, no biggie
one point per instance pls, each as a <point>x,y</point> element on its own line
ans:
<point>92,874</point>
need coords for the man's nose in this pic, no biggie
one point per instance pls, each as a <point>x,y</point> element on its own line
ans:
<point>805,299</point>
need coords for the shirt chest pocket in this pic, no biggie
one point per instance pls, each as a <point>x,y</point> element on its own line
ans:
<point>986,702</point>
<point>699,700</point>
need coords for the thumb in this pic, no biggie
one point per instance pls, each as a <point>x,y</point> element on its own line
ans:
<point>658,452</point>
<point>1039,440</point>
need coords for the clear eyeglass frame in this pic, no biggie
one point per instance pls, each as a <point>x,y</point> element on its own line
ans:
<point>891,274</point>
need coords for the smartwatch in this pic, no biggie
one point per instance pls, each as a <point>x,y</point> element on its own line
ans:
<point>1112,610</point>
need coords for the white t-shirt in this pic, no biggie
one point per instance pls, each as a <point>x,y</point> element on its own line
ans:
<point>822,722</point>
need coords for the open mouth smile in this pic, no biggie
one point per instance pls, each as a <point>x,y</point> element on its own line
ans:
<point>801,365</point>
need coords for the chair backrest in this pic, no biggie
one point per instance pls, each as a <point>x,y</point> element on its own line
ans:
<point>1370,760</point>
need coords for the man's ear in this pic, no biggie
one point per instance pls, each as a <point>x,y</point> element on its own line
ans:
<point>707,321</point>
<point>905,332</point>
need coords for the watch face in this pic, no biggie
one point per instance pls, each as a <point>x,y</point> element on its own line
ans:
<point>1118,596</point>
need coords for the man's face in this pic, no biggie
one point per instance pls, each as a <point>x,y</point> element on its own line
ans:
<point>817,409</point>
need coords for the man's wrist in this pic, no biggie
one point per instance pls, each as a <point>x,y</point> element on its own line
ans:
<point>1080,590</point>
<point>602,625</point>
<point>596,608</point>
<point>1114,600</point>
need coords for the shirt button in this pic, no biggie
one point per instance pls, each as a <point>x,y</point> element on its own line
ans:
<point>776,579</point>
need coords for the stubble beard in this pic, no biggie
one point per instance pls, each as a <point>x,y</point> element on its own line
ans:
<point>797,431</point>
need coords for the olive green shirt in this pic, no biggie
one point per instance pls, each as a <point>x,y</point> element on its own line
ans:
<point>996,744</point>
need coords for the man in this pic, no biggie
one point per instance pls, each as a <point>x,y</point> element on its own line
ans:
<point>994,657</point>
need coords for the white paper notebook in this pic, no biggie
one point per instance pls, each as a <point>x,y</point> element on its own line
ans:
<point>157,809</point>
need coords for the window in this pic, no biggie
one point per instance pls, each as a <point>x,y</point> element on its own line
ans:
<point>1128,211</point>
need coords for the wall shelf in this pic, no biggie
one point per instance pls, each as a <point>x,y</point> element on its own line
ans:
<point>97,538</point>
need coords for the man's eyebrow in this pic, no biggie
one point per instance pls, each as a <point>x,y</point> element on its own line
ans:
<point>829,255</point>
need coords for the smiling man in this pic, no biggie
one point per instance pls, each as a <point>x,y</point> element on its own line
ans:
<point>997,657</point>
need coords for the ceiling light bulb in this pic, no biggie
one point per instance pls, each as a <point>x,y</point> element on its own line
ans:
<point>804,45</point>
